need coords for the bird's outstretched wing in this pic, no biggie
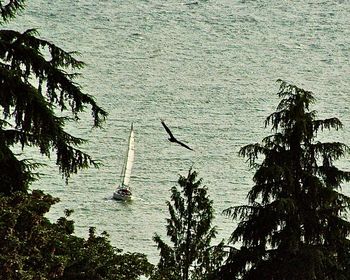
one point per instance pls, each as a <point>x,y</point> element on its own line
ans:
<point>173,139</point>
<point>183,145</point>
<point>168,130</point>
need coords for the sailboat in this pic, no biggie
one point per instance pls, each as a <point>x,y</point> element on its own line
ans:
<point>123,191</point>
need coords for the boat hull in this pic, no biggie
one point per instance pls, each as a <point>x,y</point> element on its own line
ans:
<point>122,194</point>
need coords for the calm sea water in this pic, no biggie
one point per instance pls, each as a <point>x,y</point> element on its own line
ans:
<point>209,71</point>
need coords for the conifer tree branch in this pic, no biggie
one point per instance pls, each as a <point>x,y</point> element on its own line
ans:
<point>9,9</point>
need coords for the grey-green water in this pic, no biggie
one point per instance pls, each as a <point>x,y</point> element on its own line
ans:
<point>209,71</point>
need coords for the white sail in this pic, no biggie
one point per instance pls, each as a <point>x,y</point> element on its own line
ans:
<point>129,159</point>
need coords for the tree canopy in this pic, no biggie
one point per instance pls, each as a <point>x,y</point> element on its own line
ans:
<point>32,247</point>
<point>37,83</point>
<point>190,231</point>
<point>295,224</point>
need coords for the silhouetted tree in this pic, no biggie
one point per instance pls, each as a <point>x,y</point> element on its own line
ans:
<point>190,231</point>
<point>295,225</point>
<point>31,247</point>
<point>34,86</point>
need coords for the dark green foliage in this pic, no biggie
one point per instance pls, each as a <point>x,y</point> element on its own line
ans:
<point>190,231</point>
<point>31,247</point>
<point>35,84</point>
<point>295,225</point>
<point>8,9</point>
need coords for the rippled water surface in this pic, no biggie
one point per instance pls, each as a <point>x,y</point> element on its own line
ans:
<point>209,70</point>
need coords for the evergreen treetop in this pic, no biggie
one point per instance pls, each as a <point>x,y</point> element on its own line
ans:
<point>190,230</point>
<point>295,225</point>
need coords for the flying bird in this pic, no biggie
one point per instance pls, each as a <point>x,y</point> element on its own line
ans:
<point>172,138</point>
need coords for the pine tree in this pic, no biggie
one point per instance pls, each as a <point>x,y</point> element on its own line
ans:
<point>35,84</point>
<point>190,231</point>
<point>295,225</point>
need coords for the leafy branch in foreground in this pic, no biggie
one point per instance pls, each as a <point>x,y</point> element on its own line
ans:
<point>31,247</point>
<point>36,83</point>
